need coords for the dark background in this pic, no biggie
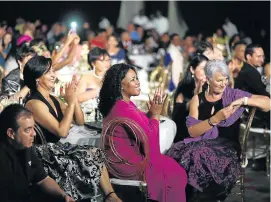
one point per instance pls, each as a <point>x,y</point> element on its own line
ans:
<point>199,16</point>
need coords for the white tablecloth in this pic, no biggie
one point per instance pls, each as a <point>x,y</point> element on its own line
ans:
<point>142,61</point>
<point>82,136</point>
<point>168,131</point>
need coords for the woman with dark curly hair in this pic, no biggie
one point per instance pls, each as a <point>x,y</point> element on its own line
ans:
<point>165,178</point>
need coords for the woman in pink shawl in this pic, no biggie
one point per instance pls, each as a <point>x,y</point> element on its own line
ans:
<point>166,179</point>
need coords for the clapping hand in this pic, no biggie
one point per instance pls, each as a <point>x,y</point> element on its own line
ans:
<point>198,86</point>
<point>156,104</point>
<point>71,90</point>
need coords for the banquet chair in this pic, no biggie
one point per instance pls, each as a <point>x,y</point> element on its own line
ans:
<point>262,150</point>
<point>244,135</point>
<point>125,188</point>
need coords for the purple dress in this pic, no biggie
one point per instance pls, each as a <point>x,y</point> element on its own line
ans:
<point>166,179</point>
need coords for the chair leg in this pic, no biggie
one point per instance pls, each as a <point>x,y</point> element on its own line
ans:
<point>242,185</point>
<point>253,151</point>
<point>267,154</point>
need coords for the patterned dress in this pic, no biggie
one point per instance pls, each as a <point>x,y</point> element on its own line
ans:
<point>77,169</point>
<point>212,165</point>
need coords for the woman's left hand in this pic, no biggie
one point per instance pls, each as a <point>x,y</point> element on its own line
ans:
<point>76,81</point>
<point>156,104</point>
<point>238,103</point>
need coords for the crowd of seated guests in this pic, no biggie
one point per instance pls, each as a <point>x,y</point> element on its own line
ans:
<point>212,80</point>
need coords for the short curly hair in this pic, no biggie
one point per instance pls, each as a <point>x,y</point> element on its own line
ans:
<point>110,92</point>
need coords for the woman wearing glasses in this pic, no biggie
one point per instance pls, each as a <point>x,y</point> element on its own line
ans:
<point>90,84</point>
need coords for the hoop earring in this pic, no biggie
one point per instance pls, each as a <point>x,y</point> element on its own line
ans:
<point>208,88</point>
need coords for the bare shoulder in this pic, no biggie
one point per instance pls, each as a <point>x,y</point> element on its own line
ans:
<point>34,105</point>
<point>195,100</point>
<point>193,109</point>
<point>86,77</point>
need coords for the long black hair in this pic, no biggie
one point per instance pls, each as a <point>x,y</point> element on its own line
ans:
<point>110,92</point>
<point>187,85</point>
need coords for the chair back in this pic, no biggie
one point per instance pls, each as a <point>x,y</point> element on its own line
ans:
<point>245,137</point>
<point>132,128</point>
<point>45,150</point>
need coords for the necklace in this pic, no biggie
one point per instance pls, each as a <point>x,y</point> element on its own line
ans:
<point>241,65</point>
<point>97,76</point>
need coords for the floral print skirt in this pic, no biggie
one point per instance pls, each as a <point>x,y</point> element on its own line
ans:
<point>77,169</point>
<point>212,164</point>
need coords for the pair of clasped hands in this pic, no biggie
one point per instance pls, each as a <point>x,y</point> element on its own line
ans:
<point>226,112</point>
<point>155,105</point>
<point>71,90</point>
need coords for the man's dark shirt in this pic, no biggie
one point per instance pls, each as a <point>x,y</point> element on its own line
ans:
<point>18,170</point>
<point>249,79</point>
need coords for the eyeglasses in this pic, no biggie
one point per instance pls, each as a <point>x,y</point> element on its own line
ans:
<point>109,60</point>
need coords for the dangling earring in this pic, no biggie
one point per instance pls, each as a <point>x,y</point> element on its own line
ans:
<point>208,88</point>
<point>192,75</point>
<point>37,82</point>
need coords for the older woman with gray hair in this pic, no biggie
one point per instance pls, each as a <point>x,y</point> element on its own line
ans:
<point>211,156</point>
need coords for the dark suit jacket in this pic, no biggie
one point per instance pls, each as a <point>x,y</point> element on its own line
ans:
<point>249,79</point>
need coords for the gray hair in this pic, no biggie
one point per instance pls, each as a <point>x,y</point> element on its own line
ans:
<point>213,66</point>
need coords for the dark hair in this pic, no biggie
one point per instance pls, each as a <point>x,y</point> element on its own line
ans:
<point>110,92</point>
<point>9,119</point>
<point>36,42</point>
<point>188,80</point>
<point>34,69</point>
<point>3,24</point>
<point>23,51</point>
<point>232,40</point>
<point>116,37</point>
<point>60,37</point>
<point>202,46</point>
<point>98,31</point>
<point>250,49</point>
<point>13,49</point>
<point>238,43</point>
<point>223,32</point>
<point>173,35</point>
<point>3,41</point>
<point>95,53</point>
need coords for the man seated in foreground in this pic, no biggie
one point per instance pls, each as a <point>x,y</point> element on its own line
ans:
<point>20,168</point>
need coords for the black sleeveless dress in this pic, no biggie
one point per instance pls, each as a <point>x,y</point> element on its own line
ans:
<point>212,165</point>
<point>77,169</point>
<point>50,137</point>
